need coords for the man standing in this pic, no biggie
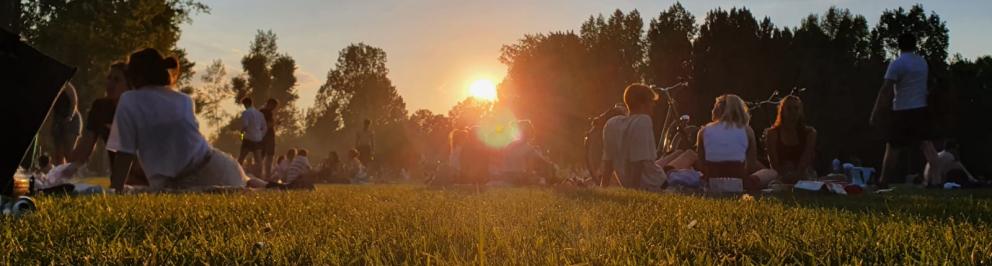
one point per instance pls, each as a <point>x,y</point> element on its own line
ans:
<point>253,130</point>
<point>365,143</point>
<point>269,140</point>
<point>903,100</point>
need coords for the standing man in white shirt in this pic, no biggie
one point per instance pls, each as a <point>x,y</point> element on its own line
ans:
<point>903,99</point>
<point>253,131</point>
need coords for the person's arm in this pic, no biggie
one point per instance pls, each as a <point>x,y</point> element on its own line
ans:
<point>358,139</point>
<point>700,150</point>
<point>771,147</point>
<point>605,171</point>
<point>883,102</point>
<point>809,151</point>
<point>120,170</point>
<point>84,148</point>
<point>245,121</point>
<point>752,152</point>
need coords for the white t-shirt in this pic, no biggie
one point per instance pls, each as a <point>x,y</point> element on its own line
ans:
<point>909,71</point>
<point>725,143</point>
<point>944,159</point>
<point>159,126</point>
<point>639,139</point>
<point>613,136</point>
<point>253,123</point>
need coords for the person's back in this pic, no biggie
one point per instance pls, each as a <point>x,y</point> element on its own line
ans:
<point>163,115</point>
<point>299,168</point>
<point>910,73</point>
<point>255,126</point>
<point>612,139</point>
<point>725,143</point>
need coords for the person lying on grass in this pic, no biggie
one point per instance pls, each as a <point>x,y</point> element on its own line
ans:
<point>790,143</point>
<point>155,125</point>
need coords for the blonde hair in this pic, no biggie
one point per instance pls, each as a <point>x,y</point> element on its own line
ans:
<point>731,109</point>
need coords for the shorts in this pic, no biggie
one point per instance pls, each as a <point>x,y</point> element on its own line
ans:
<point>248,146</point>
<point>911,126</point>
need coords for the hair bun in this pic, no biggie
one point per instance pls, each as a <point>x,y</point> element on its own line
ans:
<point>170,63</point>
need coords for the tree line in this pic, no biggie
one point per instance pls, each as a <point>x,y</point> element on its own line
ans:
<point>560,79</point>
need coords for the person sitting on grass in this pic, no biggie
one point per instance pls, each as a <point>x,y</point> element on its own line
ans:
<point>44,165</point>
<point>951,169</point>
<point>330,167</point>
<point>279,172</point>
<point>98,123</point>
<point>612,134</point>
<point>299,172</point>
<point>451,171</point>
<point>790,143</point>
<point>727,145</point>
<point>354,169</point>
<point>156,125</point>
<point>519,156</point>
<point>282,167</point>
<point>637,150</point>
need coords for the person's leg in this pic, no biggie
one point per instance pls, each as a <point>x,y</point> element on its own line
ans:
<point>931,155</point>
<point>891,158</point>
<point>266,165</point>
<point>244,152</point>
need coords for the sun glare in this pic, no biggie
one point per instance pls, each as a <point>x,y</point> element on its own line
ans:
<point>483,89</point>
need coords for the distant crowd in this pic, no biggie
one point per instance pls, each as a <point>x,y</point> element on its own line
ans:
<point>154,143</point>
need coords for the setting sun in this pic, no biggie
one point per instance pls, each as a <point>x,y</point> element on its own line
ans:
<point>483,89</point>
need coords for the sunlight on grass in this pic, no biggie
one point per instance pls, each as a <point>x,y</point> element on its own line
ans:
<point>410,224</point>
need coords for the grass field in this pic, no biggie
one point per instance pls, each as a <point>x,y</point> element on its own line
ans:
<point>398,224</point>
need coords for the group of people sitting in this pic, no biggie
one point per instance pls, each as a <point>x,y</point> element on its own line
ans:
<point>726,147</point>
<point>154,142</point>
<point>472,160</point>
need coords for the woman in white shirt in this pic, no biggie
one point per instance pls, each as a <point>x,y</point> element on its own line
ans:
<point>727,145</point>
<point>155,124</point>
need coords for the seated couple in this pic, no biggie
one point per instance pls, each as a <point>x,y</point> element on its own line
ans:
<point>154,126</point>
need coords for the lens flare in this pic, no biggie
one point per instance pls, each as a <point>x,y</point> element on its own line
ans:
<point>498,130</point>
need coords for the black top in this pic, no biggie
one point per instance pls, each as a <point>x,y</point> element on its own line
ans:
<point>269,121</point>
<point>101,116</point>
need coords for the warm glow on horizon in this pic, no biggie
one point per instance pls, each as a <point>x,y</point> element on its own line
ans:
<point>483,89</point>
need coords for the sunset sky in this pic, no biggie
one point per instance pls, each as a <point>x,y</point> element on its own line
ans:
<point>436,49</point>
